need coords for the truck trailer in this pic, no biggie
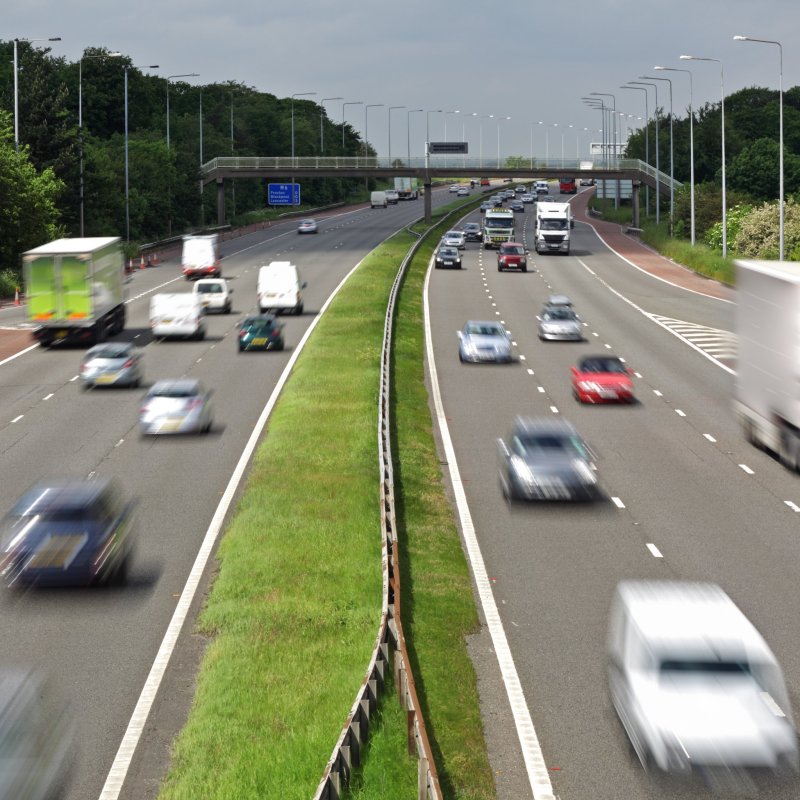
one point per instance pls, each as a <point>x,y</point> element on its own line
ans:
<point>766,400</point>
<point>75,290</point>
<point>406,188</point>
<point>553,224</point>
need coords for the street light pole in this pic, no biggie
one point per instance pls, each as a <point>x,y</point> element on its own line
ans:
<point>671,153</point>
<point>183,75</point>
<point>657,121</point>
<point>344,105</point>
<point>780,135</point>
<point>127,193</point>
<point>321,115</point>
<point>614,135</point>
<point>391,108</point>
<point>691,145</point>
<point>296,94</point>
<point>16,81</point>
<point>499,120</point>
<point>80,124</point>
<point>428,138</point>
<point>646,142</point>
<point>366,126</point>
<point>408,130</point>
<point>480,133</point>
<point>724,182</point>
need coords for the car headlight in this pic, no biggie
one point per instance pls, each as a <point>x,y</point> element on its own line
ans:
<point>522,470</point>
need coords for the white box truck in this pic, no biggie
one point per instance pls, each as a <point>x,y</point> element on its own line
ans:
<point>767,385</point>
<point>406,188</point>
<point>200,257</point>
<point>75,290</point>
<point>553,225</point>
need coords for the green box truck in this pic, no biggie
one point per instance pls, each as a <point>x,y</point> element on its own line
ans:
<point>75,290</point>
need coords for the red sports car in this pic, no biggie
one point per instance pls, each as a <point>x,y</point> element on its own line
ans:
<point>602,379</point>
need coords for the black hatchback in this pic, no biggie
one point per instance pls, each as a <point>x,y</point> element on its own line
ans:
<point>261,332</point>
<point>473,232</point>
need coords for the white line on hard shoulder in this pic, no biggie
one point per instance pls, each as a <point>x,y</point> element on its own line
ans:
<point>47,396</point>
<point>709,437</point>
<point>654,550</point>
<point>792,505</point>
<point>746,469</point>
<point>533,757</point>
<point>17,419</point>
<point>617,502</point>
<point>17,355</point>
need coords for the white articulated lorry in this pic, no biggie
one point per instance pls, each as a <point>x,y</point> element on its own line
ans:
<point>767,393</point>
<point>553,225</point>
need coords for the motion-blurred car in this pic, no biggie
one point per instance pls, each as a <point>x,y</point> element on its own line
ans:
<point>559,323</point>
<point>262,332</point>
<point>484,341</point>
<point>182,405</point>
<point>308,226</point>
<point>473,232</point>
<point>602,379</point>
<point>463,191</point>
<point>512,255</point>
<point>694,684</point>
<point>517,206</point>
<point>546,459</point>
<point>454,188</point>
<point>111,364</point>
<point>455,239</point>
<point>36,731</point>
<point>547,198</point>
<point>447,257</point>
<point>215,294</point>
<point>527,198</point>
<point>69,532</point>
<point>519,189</point>
<point>558,300</point>
<point>485,206</point>
<point>508,194</point>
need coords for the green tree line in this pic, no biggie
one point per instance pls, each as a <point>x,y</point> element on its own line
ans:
<point>40,185</point>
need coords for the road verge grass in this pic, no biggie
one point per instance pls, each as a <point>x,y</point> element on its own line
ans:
<point>295,608</point>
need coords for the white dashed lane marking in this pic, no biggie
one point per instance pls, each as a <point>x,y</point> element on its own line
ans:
<point>792,505</point>
<point>746,469</point>
<point>617,502</point>
<point>654,550</point>
<point>709,437</point>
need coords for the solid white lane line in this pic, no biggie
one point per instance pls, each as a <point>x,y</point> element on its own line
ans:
<point>654,550</point>
<point>47,396</point>
<point>792,505</point>
<point>746,469</point>
<point>679,412</point>
<point>709,437</point>
<point>17,419</point>
<point>532,755</point>
<point>617,502</point>
<point>138,721</point>
<point>17,355</point>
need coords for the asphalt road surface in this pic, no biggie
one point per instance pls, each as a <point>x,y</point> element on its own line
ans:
<point>686,498</point>
<point>98,645</point>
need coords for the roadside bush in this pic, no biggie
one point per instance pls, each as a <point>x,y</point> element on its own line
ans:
<point>759,232</point>
<point>9,281</point>
<point>736,214</point>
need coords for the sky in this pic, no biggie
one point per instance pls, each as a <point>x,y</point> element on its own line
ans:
<point>530,60</point>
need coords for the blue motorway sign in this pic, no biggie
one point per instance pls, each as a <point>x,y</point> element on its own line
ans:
<point>280,194</point>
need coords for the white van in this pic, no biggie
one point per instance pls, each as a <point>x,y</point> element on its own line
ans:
<point>215,294</point>
<point>177,315</point>
<point>541,187</point>
<point>378,200</point>
<point>694,683</point>
<point>280,288</point>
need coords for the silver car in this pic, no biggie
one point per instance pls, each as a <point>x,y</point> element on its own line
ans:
<point>176,406</point>
<point>455,239</point>
<point>560,323</point>
<point>546,459</point>
<point>484,341</point>
<point>308,226</point>
<point>111,364</point>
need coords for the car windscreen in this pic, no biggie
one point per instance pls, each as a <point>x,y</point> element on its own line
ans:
<point>500,222</point>
<point>603,365</point>
<point>485,330</point>
<point>448,252</point>
<point>174,391</point>
<point>559,313</point>
<point>109,351</point>
<point>512,251</point>
<point>209,288</point>
<point>259,327</point>
<point>543,444</point>
<point>553,224</point>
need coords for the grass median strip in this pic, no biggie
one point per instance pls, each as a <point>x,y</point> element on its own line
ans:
<point>295,608</point>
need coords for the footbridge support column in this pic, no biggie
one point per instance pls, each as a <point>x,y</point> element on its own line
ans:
<point>428,207</point>
<point>220,201</point>
<point>637,186</point>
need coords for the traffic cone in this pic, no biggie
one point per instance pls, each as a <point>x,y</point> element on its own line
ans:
<point>142,265</point>
<point>16,297</point>
<point>155,259</point>
<point>130,265</point>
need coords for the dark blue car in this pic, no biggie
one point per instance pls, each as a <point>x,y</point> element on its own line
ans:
<point>67,533</point>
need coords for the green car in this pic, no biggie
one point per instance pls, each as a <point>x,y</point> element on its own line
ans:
<point>262,332</point>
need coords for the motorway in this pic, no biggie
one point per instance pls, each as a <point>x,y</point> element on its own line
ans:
<point>686,497</point>
<point>98,646</point>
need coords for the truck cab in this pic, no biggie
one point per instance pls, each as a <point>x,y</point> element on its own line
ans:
<point>567,186</point>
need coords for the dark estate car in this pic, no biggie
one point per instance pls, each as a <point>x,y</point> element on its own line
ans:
<point>262,332</point>
<point>447,257</point>
<point>473,232</point>
<point>69,532</point>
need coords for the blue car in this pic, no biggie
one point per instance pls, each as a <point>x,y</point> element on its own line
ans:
<point>66,533</point>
